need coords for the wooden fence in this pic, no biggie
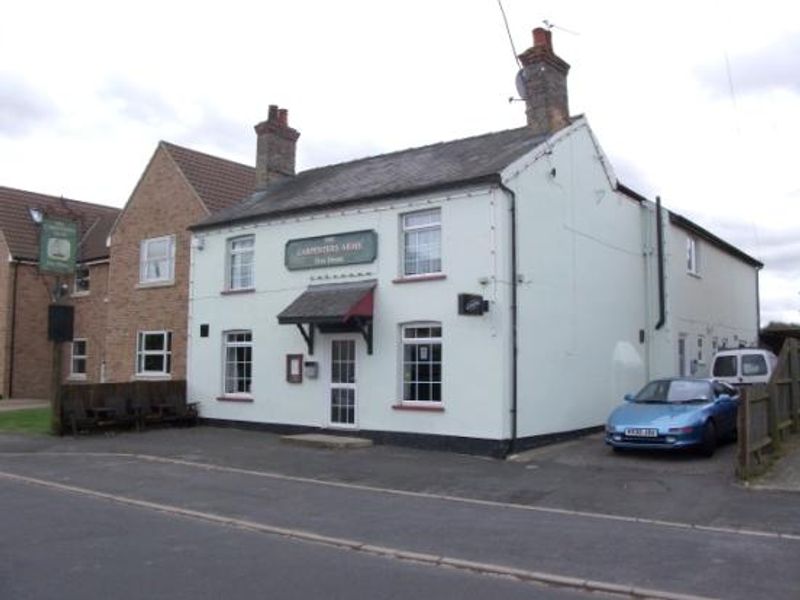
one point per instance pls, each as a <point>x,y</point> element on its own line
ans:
<point>133,404</point>
<point>770,413</point>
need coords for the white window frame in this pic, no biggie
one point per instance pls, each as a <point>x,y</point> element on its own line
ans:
<point>227,344</point>
<point>73,374</point>
<point>142,354</point>
<point>692,264</point>
<point>88,279</point>
<point>409,231</point>
<point>238,260</point>
<point>145,260</point>
<point>420,341</point>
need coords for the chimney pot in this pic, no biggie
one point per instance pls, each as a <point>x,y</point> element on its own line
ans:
<point>283,117</point>
<point>273,112</point>
<point>543,38</point>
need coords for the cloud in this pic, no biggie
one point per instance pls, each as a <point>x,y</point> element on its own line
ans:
<point>139,104</point>
<point>22,107</point>
<point>633,177</point>
<point>774,67</point>
<point>230,137</point>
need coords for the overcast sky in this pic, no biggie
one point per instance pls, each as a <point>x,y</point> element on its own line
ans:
<point>696,101</point>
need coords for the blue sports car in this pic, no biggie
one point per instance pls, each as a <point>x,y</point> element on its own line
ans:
<point>675,413</point>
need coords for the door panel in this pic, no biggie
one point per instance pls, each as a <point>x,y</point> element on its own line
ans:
<point>343,383</point>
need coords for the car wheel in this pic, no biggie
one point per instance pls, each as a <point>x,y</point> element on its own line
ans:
<point>709,443</point>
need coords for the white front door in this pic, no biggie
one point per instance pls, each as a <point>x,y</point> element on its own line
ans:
<point>342,393</point>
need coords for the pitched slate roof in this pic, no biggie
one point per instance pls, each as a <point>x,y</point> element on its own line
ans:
<point>94,222</point>
<point>398,173</point>
<point>219,183</point>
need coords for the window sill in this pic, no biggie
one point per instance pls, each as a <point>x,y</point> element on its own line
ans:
<point>414,278</point>
<point>153,376</point>
<point>79,294</point>
<point>235,292</point>
<point>693,274</point>
<point>418,407</point>
<point>76,377</point>
<point>143,285</point>
<point>234,398</point>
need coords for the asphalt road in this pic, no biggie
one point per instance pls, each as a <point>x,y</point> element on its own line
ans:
<point>108,514</point>
<point>64,545</point>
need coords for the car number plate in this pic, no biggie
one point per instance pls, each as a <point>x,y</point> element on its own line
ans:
<point>641,432</point>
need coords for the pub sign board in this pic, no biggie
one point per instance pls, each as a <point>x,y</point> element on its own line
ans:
<point>351,248</point>
<point>58,245</point>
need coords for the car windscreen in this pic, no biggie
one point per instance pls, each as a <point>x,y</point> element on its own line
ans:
<point>678,390</point>
<point>754,364</point>
<point>725,366</point>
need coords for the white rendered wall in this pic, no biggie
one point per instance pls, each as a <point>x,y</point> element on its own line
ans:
<point>476,355</point>
<point>582,296</point>
<point>718,305</point>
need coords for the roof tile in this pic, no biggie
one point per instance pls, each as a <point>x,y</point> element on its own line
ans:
<point>94,222</point>
<point>220,183</point>
<point>403,172</point>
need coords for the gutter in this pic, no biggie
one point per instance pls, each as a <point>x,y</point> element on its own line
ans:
<point>512,442</point>
<point>662,312</point>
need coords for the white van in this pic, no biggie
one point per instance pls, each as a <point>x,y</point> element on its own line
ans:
<point>743,366</point>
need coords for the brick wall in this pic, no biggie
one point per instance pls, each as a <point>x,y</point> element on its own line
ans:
<point>163,203</point>
<point>32,353</point>
<point>90,323</point>
<point>6,274</point>
<point>27,369</point>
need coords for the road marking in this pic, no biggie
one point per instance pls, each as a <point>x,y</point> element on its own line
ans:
<point>742,531</point>
<point>524,575</point>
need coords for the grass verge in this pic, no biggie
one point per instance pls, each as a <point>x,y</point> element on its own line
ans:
<point>29,420</point>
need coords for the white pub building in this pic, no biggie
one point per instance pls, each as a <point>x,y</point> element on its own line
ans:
<point>482,295</point>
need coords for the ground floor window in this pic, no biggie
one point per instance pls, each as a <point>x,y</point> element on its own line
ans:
<point>238,362</point>
<point>78,360</point>
<point>154,353</point>
<point>422,362</point>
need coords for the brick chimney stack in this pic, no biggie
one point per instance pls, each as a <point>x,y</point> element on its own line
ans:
<point>275,147</point>
<point>544,77</point>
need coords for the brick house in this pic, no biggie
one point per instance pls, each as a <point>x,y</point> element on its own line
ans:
<point>25,352</point>
<point>149,264</point>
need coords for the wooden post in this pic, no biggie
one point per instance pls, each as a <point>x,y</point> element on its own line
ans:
<point>55,390</point>
<point>794,375</point>
<point>743,431</point>
<point>772,416</point>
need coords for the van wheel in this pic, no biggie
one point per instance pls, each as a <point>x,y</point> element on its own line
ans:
<point>709,443</point>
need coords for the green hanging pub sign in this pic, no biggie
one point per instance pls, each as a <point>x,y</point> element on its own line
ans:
<point>58,245</point>
<point>351,248</point>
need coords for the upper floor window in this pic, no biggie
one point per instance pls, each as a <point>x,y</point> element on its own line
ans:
<point>422,362</point>
<point>691,256</point>
<point>240,263</point>
<point>422,242</point>
<point>81,282</point>
<point>154,353</point>
<point>157,259</point>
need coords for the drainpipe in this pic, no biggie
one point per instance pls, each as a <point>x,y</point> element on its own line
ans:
<point>662,316</point>
<point>512,442</point>
<point>13,331</point>
<point>758,307</point>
